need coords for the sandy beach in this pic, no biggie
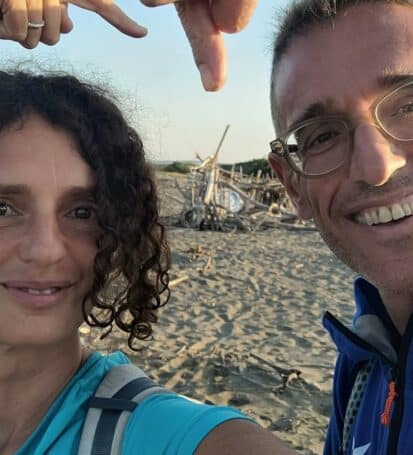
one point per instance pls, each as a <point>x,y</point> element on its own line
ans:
<point>249,307</point>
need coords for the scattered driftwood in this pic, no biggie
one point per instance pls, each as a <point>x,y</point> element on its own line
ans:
<point>178,280</point>
<point>287,375</point>
<point>221,200</point>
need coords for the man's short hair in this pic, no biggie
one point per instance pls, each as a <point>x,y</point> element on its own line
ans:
<point>298,19</point>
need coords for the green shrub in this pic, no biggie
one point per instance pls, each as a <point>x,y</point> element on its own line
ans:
<point>177,166</point>
<point>251,167</point>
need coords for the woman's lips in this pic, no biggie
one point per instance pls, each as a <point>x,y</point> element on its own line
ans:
<point>37,295</point>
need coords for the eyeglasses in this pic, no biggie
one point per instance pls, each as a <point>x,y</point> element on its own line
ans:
<point>320,146</point>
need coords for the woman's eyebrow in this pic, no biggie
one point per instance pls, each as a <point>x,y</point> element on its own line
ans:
<point>16,189</point>
<point>80,192</point>
<point>76,192</point>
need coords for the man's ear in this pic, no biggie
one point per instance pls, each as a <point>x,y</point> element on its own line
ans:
<point>290,181</point>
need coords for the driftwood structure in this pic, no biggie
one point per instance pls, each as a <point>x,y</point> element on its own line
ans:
<point>223,200</point>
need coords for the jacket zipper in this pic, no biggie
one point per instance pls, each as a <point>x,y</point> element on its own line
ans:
<point>398,376</point>
<point>400,373</point>
<point>385,417</point>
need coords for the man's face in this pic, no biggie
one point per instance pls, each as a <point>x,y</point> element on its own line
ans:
<point>342,70</point>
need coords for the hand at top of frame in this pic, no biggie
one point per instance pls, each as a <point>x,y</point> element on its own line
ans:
<point>203,21</point>
<point>32,21</point>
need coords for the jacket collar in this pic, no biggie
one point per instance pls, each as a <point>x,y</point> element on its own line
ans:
<point>372,332</point>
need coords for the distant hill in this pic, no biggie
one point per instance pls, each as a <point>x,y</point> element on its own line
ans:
<point>250,167</point>
<point>181,167</point>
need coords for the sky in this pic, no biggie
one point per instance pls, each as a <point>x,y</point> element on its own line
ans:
<point>158,84</point>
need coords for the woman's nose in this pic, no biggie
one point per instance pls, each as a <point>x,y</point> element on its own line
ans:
<point>44,242</point>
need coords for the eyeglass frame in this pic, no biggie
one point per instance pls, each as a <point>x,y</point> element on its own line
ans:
<point>280,148</point>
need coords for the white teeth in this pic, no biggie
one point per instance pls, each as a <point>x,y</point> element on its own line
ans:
<point>407,209</point>
<point>369,218</point>
<point>384,215</point>
<point>48,291</point>
<point>397,212</point>
<point>381,215</point>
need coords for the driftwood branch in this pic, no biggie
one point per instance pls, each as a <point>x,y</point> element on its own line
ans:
<point>176,281</point>
<point>287,375</point>
<point>244,195</point>
<point>223,200</point>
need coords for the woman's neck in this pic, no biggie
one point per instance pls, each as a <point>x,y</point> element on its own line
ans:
<point>30,380</point>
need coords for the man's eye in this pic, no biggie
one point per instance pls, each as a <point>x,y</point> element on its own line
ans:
<point>322,140</point>
<point>406,109</point>
<point>83,213</point>
<point>6,210</point>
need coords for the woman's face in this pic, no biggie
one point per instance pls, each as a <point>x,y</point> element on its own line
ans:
<point>48,234</point>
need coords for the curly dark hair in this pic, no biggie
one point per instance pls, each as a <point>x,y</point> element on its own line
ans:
<point>132,261</point>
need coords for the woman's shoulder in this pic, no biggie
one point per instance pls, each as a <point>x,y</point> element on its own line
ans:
<point>173,424</point>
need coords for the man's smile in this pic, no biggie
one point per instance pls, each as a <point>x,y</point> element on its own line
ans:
<point>386,213</point>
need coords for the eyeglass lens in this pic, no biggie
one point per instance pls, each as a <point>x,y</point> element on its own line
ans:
<point>320,146</point>
<point>323,145</point>
<point>395,113</point>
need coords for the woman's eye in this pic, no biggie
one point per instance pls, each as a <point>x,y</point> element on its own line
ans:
<point>83,213</point>
<point>6,210</point>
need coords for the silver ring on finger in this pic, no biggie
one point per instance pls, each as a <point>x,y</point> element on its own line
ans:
<point>35,25</point>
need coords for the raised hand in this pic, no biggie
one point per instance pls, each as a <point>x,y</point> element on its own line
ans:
<point>32,21</point>
<point>203,21</point>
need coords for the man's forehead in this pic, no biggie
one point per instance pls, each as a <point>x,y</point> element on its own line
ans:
<point>337,65</point>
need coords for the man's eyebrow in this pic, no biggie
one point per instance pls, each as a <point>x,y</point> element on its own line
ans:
<point>313,110</point>
<point>317,109</point>
<point>390,79</point>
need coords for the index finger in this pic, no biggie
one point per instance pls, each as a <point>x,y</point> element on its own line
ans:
<point>206,41</point>
<point>114,15</point>
<point>231,16</point>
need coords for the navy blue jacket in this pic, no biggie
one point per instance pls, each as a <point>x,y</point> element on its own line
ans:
<point>373,338</point>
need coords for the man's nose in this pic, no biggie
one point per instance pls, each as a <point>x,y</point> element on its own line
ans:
<point>44,243</point>
<point>375,158</point>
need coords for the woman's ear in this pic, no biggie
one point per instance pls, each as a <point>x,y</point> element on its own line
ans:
<point>291,182</point>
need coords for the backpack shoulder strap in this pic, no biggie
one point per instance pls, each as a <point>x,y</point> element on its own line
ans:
<point>354,401</point>
<point>119,393</point>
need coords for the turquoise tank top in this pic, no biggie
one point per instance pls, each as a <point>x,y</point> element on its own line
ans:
<point>161,424</point>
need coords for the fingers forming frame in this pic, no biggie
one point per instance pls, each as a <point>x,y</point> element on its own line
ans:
<point>203,22</point>
<point>34,16</point>
<point>17,15</point>
<point>231,16</point>
<point>52,16</point>
<point>14,19</point>
<point>206,41</point>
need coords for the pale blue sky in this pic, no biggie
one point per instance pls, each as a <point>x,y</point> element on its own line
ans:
<point>160,84</point>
